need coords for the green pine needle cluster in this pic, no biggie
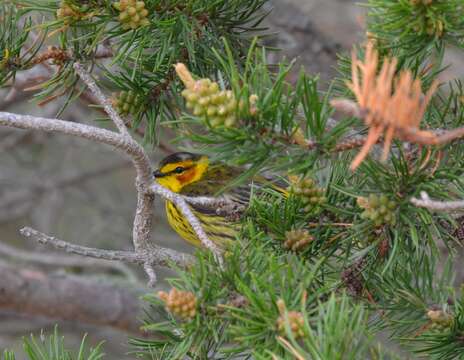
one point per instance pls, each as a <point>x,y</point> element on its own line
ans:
<point>411,27</point>
<point>52,347</point>
<point>12,40</point>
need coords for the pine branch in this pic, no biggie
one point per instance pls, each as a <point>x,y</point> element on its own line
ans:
<point>428,203</point>
<point>142,220</point>
<point>64,261</point>
<point>102,99</point>
<point>183,206</point>
<point>143,215</point>
<point>157,256</point>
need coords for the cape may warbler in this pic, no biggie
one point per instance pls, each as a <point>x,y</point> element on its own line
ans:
<point>194,175</point>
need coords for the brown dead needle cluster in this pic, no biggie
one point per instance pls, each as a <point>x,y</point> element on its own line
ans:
<point>393,105</point>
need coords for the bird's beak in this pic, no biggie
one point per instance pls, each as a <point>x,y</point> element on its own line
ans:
<point>158,174</point>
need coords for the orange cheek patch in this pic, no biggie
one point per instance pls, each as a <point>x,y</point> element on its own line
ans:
<point>187,176</point>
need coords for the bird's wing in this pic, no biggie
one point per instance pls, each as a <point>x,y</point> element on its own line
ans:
<point>219,177</point>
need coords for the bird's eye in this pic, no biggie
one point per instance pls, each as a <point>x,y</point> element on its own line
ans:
<point>179,170</point>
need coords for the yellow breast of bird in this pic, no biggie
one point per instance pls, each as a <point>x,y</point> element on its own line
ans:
<point>219,229</point>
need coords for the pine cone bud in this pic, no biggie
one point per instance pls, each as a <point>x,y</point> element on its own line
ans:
<point>132,13</point>
<point>297,240</point>
<point>206,100</point>
<point>180,303</point>
<point>295,320</point>
<point>127,102</point>
<point>439,316</point>
<point>379,209</point>
<point>307,190</point>
<point>441,321</point>
<point>459,231</point>
<point>67,12</point>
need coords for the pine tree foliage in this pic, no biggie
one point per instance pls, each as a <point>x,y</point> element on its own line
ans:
<point>370,261</point>
<point>174,31</point>
<point>12,40</point>
<point>412,27</point>
<point>52,347</point>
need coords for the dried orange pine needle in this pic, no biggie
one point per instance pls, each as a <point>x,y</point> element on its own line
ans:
<point>393,105</point>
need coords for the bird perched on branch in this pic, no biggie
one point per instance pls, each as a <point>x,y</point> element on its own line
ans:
<point>203,182</point>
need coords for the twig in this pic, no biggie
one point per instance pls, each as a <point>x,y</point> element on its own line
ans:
<point>151,273</point>
<point>184,208</point>
<point>102,99</point>
<point>350,143</point>
<point>157,257</point>
<point>143,215</point>
<point>206,200</point>
<point>428,203</point>
<point>64,261</point>
<point>142,219</point>
<point>70,128</point>
<point>450,135</point>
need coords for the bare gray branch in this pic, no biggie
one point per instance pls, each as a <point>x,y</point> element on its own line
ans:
<point>102,99</point>
<point>158,256</point>
<point>64,261</point>
<point>184,208</point>
<point>428,203</point>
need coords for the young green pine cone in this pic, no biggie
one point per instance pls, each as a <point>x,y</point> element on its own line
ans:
<point>132,13</point>
<point>206,100</point>
<point>180,303</point>
<point>297,240</point>
<point>126,102</point>
<point>307,190</point>
<point>295,320</point>
<point>379,209</point>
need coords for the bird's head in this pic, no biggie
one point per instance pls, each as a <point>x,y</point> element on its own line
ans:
<point>180,169</point>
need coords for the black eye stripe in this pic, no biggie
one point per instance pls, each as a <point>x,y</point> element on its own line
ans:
<point>178,171</point>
